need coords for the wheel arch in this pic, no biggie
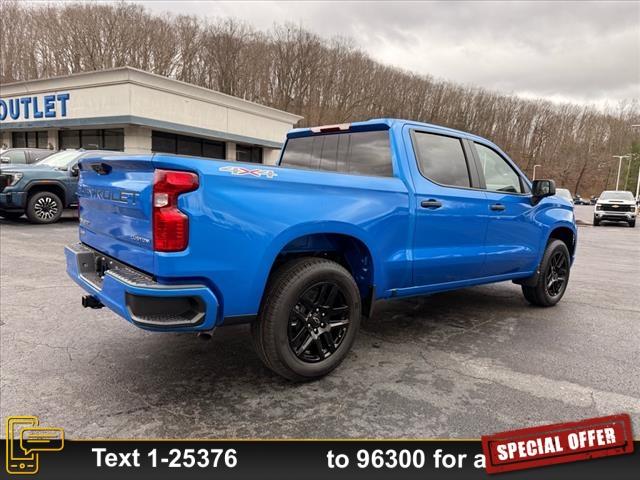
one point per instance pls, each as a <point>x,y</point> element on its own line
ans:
<point>566,235</point>
<point>53,187</point>
<point>339,243</point>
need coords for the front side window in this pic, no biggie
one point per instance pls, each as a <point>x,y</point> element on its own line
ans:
<point>360,153</point>
<point>441,159</point>
<point>498,174</point>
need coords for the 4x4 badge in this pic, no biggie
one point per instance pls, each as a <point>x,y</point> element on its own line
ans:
<point>256,172</point>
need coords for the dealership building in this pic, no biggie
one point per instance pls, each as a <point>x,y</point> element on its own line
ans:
<point>139,112</point>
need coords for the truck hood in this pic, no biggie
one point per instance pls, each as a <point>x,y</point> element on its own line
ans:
<point>615,202</point>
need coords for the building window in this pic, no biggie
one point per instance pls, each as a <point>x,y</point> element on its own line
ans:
<point>163,142</point>
<point>92,139</point>
<point>248,153</point>
<point>214,149</point>
<point>30,139</point>
<point>113,139</point>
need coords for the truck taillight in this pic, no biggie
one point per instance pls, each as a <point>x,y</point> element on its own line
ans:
<point>170,225</point>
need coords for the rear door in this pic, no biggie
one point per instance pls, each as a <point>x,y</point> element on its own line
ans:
<point>513,235</point>
<point>450,216</point>
<point>115,210</point>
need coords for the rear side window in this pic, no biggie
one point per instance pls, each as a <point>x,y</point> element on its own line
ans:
<point>441,159</point>
<point>361,153</point>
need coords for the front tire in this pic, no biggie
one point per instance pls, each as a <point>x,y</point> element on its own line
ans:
<point>596,222</point>
<point>44,207</point>
<point>632,223</point>
<point>308,320</point>
<point>553,277</point>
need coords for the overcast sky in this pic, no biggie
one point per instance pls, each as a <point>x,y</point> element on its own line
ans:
<point>586,52</point>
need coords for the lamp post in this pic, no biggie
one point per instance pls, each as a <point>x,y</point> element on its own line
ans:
<point>534,171</point>
<point>626,178</point>
<point>638,183</point>
<point>619,157</point>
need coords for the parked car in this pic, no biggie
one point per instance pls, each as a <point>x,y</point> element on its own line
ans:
<point>615,205</point>
<point>353,213</point>
<point>23,155</point>
<point>578,200</point>
<point>564,193</point>
<point>41,190</point>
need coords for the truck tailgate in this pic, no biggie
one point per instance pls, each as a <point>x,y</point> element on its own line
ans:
<point>114,196</point>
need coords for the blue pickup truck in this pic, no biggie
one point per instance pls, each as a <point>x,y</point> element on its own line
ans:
<point>352,213</point>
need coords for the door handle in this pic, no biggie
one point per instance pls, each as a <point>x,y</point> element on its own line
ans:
<point>431,203</point>
<point>497,206</point>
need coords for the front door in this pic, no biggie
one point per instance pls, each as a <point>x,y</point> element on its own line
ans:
<point>513,236</point>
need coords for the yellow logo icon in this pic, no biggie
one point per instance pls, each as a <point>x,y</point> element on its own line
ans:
<point>25,440</point>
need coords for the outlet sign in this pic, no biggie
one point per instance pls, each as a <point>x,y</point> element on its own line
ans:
<point>34,107</point>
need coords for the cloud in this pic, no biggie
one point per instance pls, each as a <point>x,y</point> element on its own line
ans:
<point>586,52</point>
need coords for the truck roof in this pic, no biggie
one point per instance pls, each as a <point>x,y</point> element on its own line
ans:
<point>379,122</point>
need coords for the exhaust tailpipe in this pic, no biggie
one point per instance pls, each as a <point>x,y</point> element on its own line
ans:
<point>205,335</point>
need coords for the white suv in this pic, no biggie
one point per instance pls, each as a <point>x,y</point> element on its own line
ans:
<point>615,205</point>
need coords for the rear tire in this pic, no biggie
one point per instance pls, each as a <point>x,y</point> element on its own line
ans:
<point>308,320</point>
<point>553,277</point>
<point>44,207</point>
<point>11,215</point>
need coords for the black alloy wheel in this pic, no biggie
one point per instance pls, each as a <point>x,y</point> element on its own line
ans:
<point>308,319</point>
<point>318,322</point>
<point>556,275</point>
<point>550,284</point>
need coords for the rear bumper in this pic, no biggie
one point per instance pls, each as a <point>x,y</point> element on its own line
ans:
<point>13,200</point>
<point>138,298</point>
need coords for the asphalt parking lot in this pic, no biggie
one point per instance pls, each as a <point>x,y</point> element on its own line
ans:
<point>454,365</point>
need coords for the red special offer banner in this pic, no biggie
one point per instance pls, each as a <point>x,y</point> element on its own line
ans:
<point>559,443</point>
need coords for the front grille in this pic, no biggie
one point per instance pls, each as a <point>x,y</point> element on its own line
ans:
<point>617,208</point>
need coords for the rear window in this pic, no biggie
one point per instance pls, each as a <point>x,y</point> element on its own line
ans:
<point>361,153</point>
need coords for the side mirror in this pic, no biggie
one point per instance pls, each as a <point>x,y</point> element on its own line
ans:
<point>541,189</point>
<point>75,170</point>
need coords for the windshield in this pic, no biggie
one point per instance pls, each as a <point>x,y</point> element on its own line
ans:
<point>611,195</point>
<point>60,160</point>
<point>564,193</point>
